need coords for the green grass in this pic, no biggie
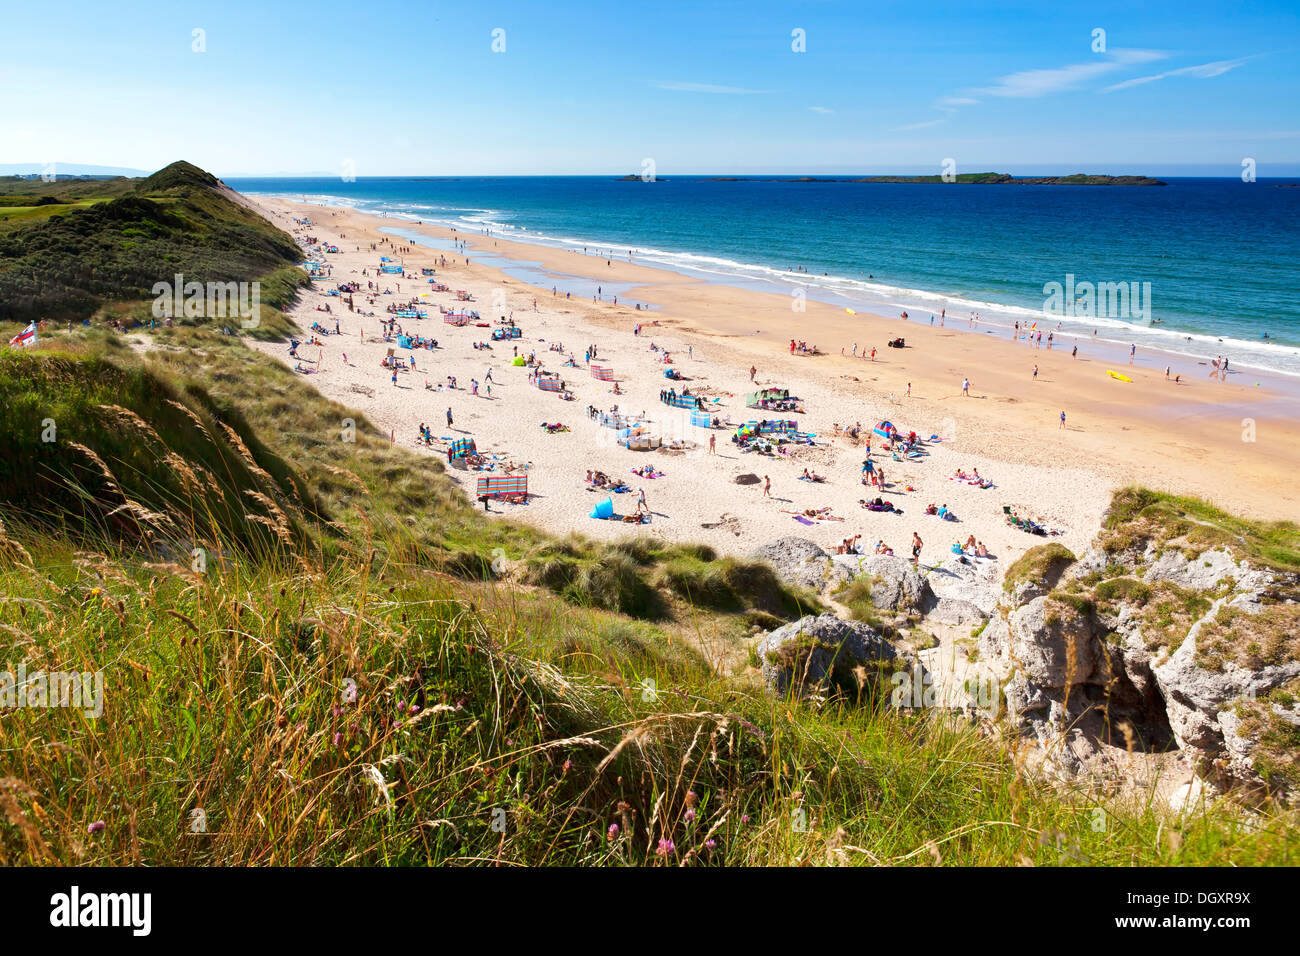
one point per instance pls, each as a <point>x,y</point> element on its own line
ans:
<point>855,594</point>
<point>568,720</point>
<point>1138,514</point>
<point>12,216</point>
<point>1040,565</point>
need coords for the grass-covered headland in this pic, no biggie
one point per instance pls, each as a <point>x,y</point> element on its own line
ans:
<point>314,651</point>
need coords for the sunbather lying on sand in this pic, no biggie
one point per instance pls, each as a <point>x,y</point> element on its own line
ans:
<point>810,476</point>
<point>878,504</point>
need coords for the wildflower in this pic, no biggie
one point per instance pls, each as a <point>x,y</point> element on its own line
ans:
<point>338,739</point>
<point>666,848</point>
<point>96,827</point>
<point>710,844</point>
<point>612,833</point>
<point>744,818</point>
<point>415,708</point>
<point>691,798</point>
<point>568,765</point>
<point>690,814</point>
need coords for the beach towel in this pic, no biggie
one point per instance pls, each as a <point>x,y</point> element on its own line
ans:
<point>802,520</point>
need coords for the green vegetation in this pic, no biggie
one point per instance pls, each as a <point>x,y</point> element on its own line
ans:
<point>1138,516</point>
<point>855,595</point>
<point>1269,637</point>
<point>473,699</point>
<point>114,249</point>
<point>1041,565</point>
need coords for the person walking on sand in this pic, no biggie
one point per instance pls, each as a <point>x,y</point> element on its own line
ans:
<point>449,418</point>
<point>713,444</point>
<point>767,487</point>
<point>752,372</point>
<point>641,503</point>
<point>909,389</point>
<point>1062,419</point>
<point>917,543</point>
<point>1035,373</point>
<point>394,376</point>
<point>965,387</point>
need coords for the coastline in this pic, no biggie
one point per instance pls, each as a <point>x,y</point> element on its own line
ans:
<point>1188,345</point>
<point>1183,439</point>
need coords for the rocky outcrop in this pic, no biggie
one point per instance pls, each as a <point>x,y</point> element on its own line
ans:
<point>1151,649</point>
<point>822,654</point>
<point>966,591</point>
<point>957,592</point>
<point>895,585</point>
<point>802,562</point>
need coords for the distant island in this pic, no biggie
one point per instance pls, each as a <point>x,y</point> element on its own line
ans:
<point>994,179</point>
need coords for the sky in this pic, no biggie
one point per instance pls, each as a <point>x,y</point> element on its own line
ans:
<point>517,88</point>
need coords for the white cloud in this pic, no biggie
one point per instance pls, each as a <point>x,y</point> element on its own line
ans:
<point>1204,72</point>
<point>685,87</point>
<point>933,122</point>
<point>1034,83</point>
<point>820,109</point>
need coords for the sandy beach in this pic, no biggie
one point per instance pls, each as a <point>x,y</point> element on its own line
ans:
<point>1186,438</point>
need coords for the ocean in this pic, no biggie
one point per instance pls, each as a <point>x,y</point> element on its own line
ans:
<point>1198,268</point>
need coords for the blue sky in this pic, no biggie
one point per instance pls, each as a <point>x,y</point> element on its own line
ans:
<point>405,88</point>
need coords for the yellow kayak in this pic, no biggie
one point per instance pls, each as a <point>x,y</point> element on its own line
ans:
<point>1122,378</point>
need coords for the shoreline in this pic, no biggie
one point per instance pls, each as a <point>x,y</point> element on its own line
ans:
<point>1186,351</point>
<point>1065,477</point>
